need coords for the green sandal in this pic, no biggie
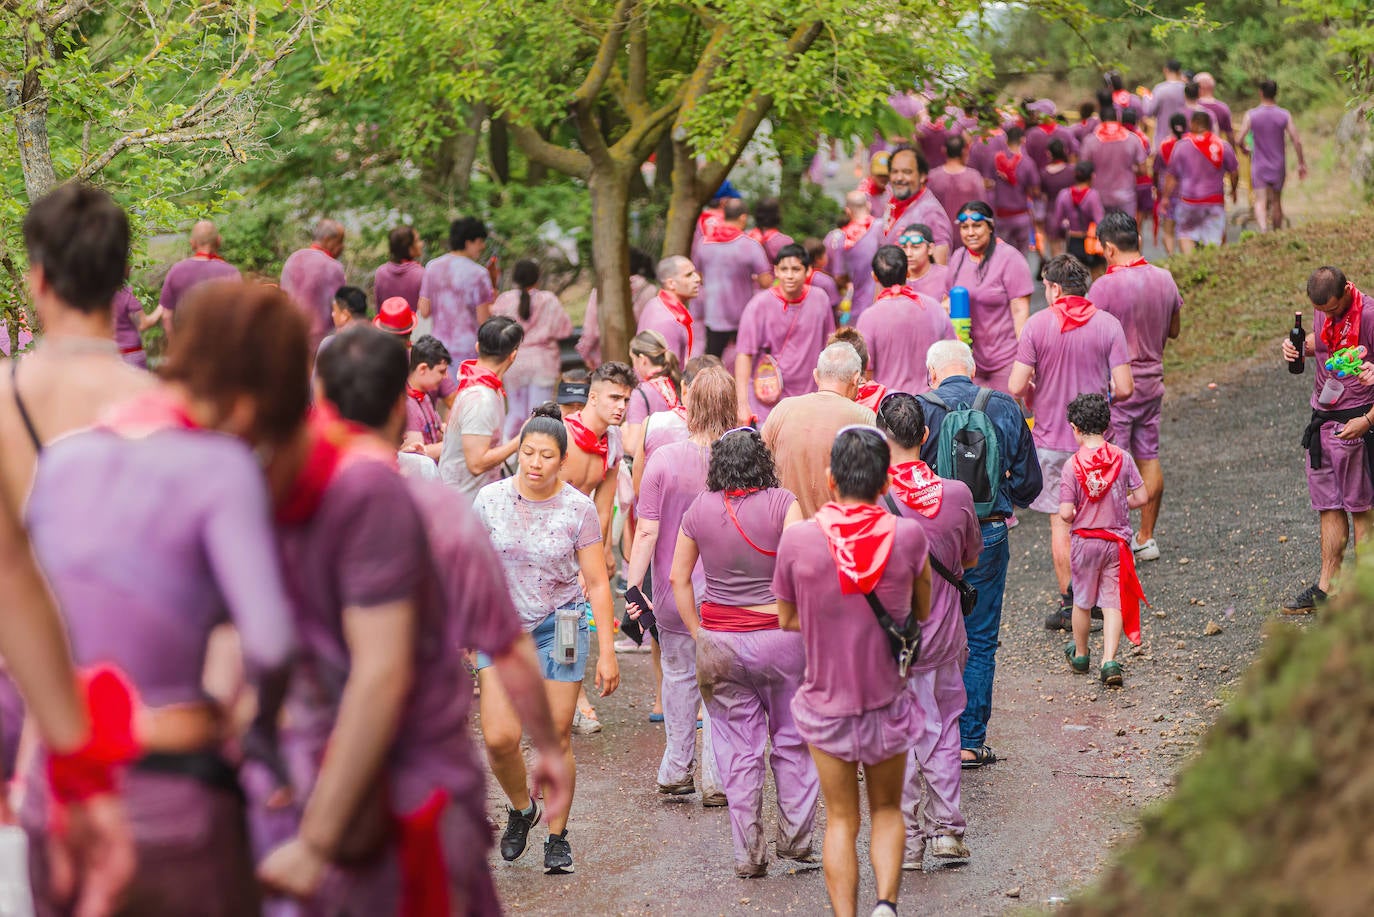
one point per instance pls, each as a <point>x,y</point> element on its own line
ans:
<point>1079,663</point>
<point>1111,674</point>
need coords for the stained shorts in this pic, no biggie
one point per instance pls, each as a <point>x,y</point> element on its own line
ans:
<point>1135,427</point>
<point>869,738</point>
<point>544,644</point>
<point>1052,463</point>
<point>1342,482</point>
<point>1096,572</point>
<point>1205,224</point>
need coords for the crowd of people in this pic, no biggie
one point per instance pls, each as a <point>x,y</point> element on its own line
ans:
<point>272,574</point>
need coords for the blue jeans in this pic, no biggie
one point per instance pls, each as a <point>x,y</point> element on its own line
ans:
<point>983,625</point>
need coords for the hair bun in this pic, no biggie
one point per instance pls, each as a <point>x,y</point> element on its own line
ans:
<point>548,409</point>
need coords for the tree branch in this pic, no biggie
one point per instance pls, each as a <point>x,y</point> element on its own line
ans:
<point>64,14</point>
<point>639,63</point>
<point>569,162</point>
<point>606,54</point>
<point>148,137</point>
<point>162,44</point>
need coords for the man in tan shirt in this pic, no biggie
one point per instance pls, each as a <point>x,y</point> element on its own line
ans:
<point>801,429</point>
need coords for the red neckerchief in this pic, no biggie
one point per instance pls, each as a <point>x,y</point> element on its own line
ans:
<point>918,487</point>
<point>679,312</point>
<point>860,537</point>
<point>871,394</point>
<point>664,386</point>
<point>720,231</point>
<point>330,439</point>
<point>1131,593</point>
<point>939,124</point>
<point>786,303</point>
<point>470,373</point>
<point>868,187</point>
<point>1166,148</point>
<point>709,218</point>
<point>903,291</point>
<point>206,256</point>
<point>1121,99</point>
<point>896,207</point>
<point>145,415</point>
<point>1338,335</point>
<point>586,440</point>
<point>1073,311</point>
<point>762,236</point>
<point>415,393</point>
<point>1139,262</point>
<point>1006,166</point>
<point>1098,470</point>
<point>855,230</point>
<point>1209,146</point>
<point>1111,132</point>
<point>318,249</point>
<point>1077,195</point>
<point>1048,127</point>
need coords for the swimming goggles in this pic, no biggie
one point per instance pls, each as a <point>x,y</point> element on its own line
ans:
<point>914,238</point>
<point>973,216</point>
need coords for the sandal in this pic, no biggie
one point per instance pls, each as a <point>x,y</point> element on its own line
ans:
<point>1078,663</point>
<point>981,756</point>
<point>1111,673</point>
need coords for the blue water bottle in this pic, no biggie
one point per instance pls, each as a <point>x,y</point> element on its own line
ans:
<point>959,314</point>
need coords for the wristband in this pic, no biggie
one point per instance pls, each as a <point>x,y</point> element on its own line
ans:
<point>90,770</point>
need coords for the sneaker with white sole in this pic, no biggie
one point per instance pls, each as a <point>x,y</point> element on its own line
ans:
<point>1147,551</point>
<point>585,725</point>
<point>884,910</point>
<point>949,847</point>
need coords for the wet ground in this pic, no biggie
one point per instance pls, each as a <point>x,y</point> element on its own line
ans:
<point>1079,761</point>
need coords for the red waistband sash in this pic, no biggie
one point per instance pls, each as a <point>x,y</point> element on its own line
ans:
<point>420,850</point>
<point>1132,593</point>
<point>732,620</point>
<point>91,770</point>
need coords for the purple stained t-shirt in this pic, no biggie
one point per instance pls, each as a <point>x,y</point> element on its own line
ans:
<point>795,335</point>
<point>773,241</point>
<point>1055,178</point>
<point>1199,181</point>
<point>656,317</point>
<point>1166,100</point>
<point>1068,364</point>
<point>673,478</point>
<point>538,360</point>
<point>933,283</point>
<point>1221,116</point>
<point>662,429</point>
<point>738,574</point>
<point>1075,217</point>
<point>1269,160</point>
<point>1014,199</point>
<point>127,311</point>
<point>955,541</point>
<point>1111,512</point>
<point>858,263</point>
<point>898,332</point>
<point>1038,140</point>
<point>1355,393</point>
<point>644,400</point>
<point>538,542</point>
<point>422,418</point>
<point>103,505</point>
<point>955,190</point>
<point>311,277</point>
<point>727,279</point>
<point>455,286</point>
<point>191,272</point>
<point>927,209</point>
<point>1114,167</point>
<point>398,278</point>
<point>826,284</point>
<point>1145,299</point>
<point>1006,277</point>
<point>849,665</point>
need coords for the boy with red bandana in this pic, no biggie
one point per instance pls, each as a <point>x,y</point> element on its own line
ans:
<point>1098,489</point>
<point>1016,182</point>
<point>429,362</point>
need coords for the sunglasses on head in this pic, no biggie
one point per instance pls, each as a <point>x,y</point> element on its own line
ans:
<point>914,239</point>
<point>972,216</point>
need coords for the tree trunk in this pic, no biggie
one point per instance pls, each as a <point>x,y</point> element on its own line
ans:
<point>465,150</point>
<point>27,98</point>
<point>609,186</point>
<point>683,205</point>
<point>498,148</point>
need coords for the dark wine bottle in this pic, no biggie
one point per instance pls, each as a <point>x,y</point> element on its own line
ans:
<point>1298,338</point>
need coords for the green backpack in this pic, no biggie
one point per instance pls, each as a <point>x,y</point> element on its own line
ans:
<point>969,450</point>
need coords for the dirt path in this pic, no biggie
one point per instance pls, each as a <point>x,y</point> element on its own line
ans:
<point>1079,761</point>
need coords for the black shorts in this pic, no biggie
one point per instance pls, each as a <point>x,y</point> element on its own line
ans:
<point>717,341</point>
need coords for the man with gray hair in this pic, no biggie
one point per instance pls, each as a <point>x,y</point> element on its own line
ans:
<point>951,368</point>
<point>669,313</point>
<point>801,429</point>
<point>311,276</point>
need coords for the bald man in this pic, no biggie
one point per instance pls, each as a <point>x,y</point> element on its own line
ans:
<point>313,275</point>
<point>204,264</point>
<point>1221,112</point>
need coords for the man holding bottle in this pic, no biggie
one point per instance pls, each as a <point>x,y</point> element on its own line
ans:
<point>1340,435</point>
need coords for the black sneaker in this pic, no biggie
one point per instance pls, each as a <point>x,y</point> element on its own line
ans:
<point>558,855</point>
<point>1305,601</point>
<point>1063,620</point>
<point>1096,612</point>
<point>517,833</point>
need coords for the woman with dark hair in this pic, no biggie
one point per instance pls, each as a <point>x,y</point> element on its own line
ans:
<point>532,378</point>
<point>547,534</point>
<point>236,384</point>
<point>999,287</point>
<point>1178,126</point>
<point>855,705</point>
<point>403,273</point>
<point>643,288</point>
<point>750,669</point>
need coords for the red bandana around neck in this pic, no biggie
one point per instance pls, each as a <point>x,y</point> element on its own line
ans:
<point>664,386</point>
<point>920,488</point>
<point>152,413</point>
<point>1097,470</point>
<point>860,537</point>
<point>1338,334</point>
<point>318,249</point>
<point>471,373</point>
<point>1209,146</point>
<point>1073,311</point>
<point>1006,164</point>
<point>1078,195</point>
<point>680,313</point>
<point>871,394</point>
<point>788,303</point>
<point>414,393</point>
<point>586,440</point>
<point>709,218</point>
<point>1121,99</point>
<point>870,187</point>
<point>330,439</point>
<point>1111,132</point>
<point>208,256</point>
<point>1139,262</point>
<point>761,236</point>
<point>1048,127</point>
<point>720,231</point>
<point>896,208</point>
<point>903,291</point>
<point>855,230</point>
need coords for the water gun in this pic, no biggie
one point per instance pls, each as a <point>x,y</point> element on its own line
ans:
<point>1346,362</point>
<point>959,314</point>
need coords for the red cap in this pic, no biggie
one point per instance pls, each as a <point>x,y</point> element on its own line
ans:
<point>395,317</point>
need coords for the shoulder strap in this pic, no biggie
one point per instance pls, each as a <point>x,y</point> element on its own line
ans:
<point>645,396</point>
<point>980,401</point>
<point>934,399</point>
<point>944,571</point>
<point>730,510</point>
<point>23,410</point>
<point>891,504</point>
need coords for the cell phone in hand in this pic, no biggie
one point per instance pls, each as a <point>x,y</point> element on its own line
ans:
<point>633,596</point>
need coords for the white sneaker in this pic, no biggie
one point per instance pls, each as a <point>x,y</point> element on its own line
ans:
<point>949,847</point>
<point>883,910</point>
<point>585,725</point>
<point>1147,551</point>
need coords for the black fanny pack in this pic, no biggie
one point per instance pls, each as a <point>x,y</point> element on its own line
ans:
<point>205,767</point>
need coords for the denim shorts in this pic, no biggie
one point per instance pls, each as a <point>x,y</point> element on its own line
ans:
<point>543,644</point>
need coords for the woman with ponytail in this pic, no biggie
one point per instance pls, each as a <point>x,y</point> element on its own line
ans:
<point>659,389</point>
<point>531,379</point>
